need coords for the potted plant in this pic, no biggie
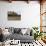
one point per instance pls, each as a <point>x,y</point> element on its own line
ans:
<point>37,33</point>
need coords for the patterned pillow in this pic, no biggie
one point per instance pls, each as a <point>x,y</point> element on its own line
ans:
<point>17,30</point>
<point>11,30</point>
<point>23,31</point>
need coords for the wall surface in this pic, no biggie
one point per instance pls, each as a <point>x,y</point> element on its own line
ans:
<point>30,14</point>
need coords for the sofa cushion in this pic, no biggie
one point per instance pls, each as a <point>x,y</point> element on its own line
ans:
<point>24,30</point>
<point>17,30</point>
<point>11,30</point>
<point>20,37</point>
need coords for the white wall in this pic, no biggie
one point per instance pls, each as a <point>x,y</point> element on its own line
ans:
<point>30,14</point>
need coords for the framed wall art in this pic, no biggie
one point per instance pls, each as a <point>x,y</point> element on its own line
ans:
<point>13,16</point>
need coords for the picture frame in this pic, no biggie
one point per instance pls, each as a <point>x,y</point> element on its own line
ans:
<point>13,15</point>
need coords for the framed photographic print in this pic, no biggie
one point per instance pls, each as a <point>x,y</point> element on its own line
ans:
<point>13,16</point>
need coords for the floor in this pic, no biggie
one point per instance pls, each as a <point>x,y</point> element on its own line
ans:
<point>35,43</point>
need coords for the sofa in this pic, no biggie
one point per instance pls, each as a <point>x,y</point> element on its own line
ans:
<point>22,34</point>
